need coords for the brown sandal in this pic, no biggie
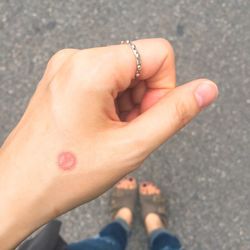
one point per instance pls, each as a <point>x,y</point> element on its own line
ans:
<point>154,203</point>
<point>121,197</point>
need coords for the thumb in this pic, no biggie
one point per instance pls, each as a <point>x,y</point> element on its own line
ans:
<point>170,113</point>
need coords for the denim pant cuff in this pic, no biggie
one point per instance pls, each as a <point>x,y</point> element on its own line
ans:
<point>155,233</point>
<point>124,224</point>
<point>164,237</point>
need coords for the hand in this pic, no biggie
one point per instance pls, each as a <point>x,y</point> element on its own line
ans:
<point>88,125</point>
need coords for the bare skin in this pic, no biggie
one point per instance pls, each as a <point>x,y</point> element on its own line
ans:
<point>125,213</point>
<point>87,125</point>
<point>152,221</point>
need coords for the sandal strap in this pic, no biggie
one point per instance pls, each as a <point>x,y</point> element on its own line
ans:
<point>123,198</point>
<point>154,204</point>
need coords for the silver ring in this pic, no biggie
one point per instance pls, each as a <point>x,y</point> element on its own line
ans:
<point>137,57</point>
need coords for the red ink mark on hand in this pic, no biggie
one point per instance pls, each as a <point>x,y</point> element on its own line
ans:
<point>66,160</point>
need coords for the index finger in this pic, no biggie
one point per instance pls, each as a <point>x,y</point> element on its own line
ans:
<point>158,62</point>
<point>114,67</point>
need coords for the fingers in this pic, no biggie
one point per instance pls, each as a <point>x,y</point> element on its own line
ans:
<point>113,67</point>
<point>172,112</point>
<point>165,77</point>
<point>158,64</point>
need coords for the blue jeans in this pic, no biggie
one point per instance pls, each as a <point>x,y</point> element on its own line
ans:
<point>114,236</point>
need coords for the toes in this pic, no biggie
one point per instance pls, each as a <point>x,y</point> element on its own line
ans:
<point>144,187</point>
<point>132,182</point>
<point>118,184</point>
<point>127,183</point>
<point>149,188</point>
<point>131,179</point>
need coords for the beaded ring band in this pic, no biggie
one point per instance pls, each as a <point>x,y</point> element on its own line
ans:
<point>137,57</point>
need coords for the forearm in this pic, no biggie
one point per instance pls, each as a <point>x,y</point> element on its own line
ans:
<point>21,209</point>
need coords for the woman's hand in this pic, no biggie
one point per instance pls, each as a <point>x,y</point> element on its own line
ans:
<point>88,125</point>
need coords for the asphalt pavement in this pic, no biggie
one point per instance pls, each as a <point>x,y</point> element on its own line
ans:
<point>204,169</point>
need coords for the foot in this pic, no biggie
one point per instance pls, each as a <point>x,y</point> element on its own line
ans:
<point>152,220</point>
<point>125,213</point>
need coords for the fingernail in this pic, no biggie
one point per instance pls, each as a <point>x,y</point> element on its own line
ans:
<point>206,93</point>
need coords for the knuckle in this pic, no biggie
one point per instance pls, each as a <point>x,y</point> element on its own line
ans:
<point>54,64</point>
<point>182,113</point>
<point>166,46</point>
<point>80,59</point>
<point>76,57</point>
<point>83,55</point>
<point>58,55</point>
<point>85,64</point>
<point>53,87</point>
<point>92,57</point>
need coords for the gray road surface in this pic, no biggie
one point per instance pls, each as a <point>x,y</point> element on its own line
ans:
<point>204,170</point>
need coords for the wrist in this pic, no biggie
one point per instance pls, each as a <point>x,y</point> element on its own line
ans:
<point>21,209</point>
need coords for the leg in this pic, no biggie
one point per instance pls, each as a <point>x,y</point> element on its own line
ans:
<point>114,236</point>
<point>161,239</point>
<point>155,220</point>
